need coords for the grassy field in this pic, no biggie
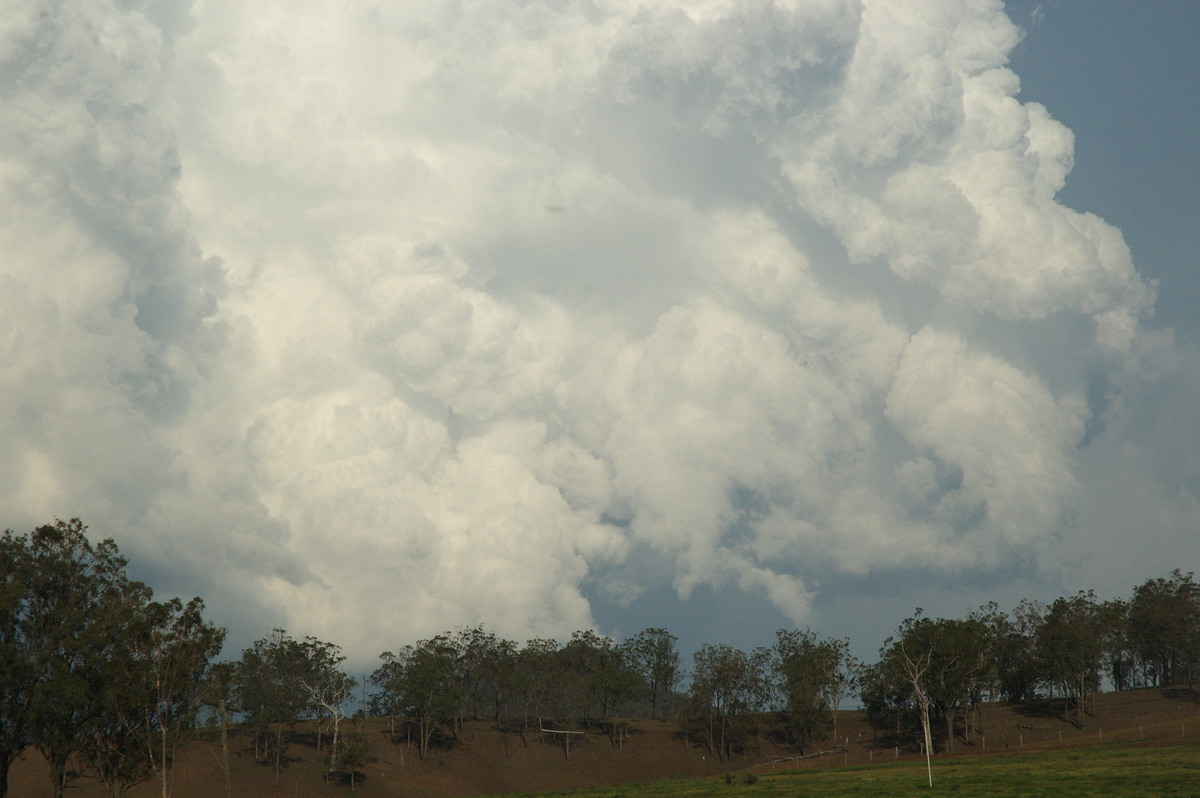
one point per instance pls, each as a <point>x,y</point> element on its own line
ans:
<point>1117,769</point>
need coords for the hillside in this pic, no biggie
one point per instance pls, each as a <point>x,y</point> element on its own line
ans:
<point>488,759</point>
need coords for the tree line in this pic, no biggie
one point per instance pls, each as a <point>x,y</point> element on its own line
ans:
<point>100,678</point>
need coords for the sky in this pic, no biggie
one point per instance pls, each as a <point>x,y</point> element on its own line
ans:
<point>368,320</point>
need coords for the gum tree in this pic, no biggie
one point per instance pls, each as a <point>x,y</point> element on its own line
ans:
<point>727,685</point>
<point>269,690</point>
<point>653,656</point>
<point>18,676</point>
<point>78,599</point>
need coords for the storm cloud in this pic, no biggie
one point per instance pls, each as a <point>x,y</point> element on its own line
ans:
<point>369,319</point>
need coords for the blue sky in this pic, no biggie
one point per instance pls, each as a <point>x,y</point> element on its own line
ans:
<point>369,321</point>
<point>1124,77</point>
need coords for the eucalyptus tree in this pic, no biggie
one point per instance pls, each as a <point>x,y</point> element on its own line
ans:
<point>813,676</point>
<point>267,681</point>
<point>155,695</point>
<point>90,665</point>
<point>77,601</point>
<point>594,677</point>
<point>1164,628</point>
<point>728,685</point>
<point>328,689</point>
<point>945,662</point>
<point>960,667</point>
<point>176,656</point>
<point>653,656</point>
<point>1119,658</point>
<point>886,697</point>
<point>486,662</point>
<point>388,679</point>
<point>423,682</point>
<point>217,695</point>
<point>532,680</point>
<point>18,675</point>
<point>1071,645</point>
<point>1013,672</point>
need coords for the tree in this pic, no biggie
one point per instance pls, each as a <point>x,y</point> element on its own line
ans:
<point>814,676</point>
<point>352,755</point>
<point>1164,628</point>
<point>594,676</point>
<point>77,601</point>
<point>423,681</point>
<point>532,679</point>
<point>952,659</point>
<point>18,676</point>
<point>885,694</point>
<point>218,695</point>
<point>843,680</point>
<point>1070,645</point>
<point>327,686</point>
<point>727,684</point>
<point>486,661</point>
<point>802,665</point>
<point>652,655</point>
<point>915,667</point>
<point>1118,656</point>
<point>154,696</point>
<point>91,665</point>
<point>269,689</point>
<point>176,654</point>
<point>1014,670</point>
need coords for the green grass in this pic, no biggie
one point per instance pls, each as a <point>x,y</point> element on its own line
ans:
<point>1118,769</point>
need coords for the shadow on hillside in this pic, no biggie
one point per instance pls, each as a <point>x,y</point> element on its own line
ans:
<point>343,778</point>
<point>307,739</point>
<point>408,733</point>
<point>1180,693</point>
<point>1049,709</point>
<point>285,761</point>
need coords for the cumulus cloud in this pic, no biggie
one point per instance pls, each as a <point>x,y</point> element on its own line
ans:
<point>372,320</point>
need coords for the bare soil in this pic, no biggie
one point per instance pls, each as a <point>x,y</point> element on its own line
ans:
<point>488,758</point>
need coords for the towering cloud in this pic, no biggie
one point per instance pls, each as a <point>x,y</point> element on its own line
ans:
<point>370,319</point>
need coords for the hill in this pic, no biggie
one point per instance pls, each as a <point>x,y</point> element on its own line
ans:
<point>488,759</point>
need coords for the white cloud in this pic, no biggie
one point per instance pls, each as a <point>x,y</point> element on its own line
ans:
<point>372,321</point>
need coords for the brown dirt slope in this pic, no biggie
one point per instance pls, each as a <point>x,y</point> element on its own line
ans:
<point>488,759</point>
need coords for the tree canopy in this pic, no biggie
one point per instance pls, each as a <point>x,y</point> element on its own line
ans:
<point>100,677</point>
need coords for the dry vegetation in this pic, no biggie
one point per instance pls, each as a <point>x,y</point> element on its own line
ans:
<point>489,759</point>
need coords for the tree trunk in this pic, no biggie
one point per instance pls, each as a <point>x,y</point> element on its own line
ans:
<point>58,775</point>
<point>711,739</point>
<point>948,715</point>
<point>163,769</point>
<point>333,745</point>
<point>319,732</point>
<point>278,750</point>
<point>928,737</point>
<point>224,711</point>
<point>425,732</point>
